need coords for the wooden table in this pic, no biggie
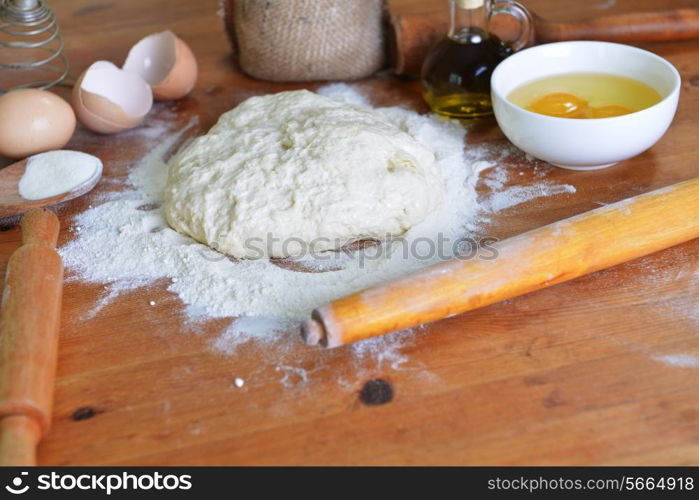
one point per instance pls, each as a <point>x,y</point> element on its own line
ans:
<point>602,370</point>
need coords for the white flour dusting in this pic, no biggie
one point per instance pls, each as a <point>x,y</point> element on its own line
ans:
<point>57,172</point>
<point>125,244</point>
<point>500,196</point>
<point>674,273</point>
<point>679,360</point>
<point>515,195</point>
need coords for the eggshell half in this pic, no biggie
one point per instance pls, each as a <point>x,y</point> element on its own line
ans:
<point>33,121</point>
<point>108,100</point>
<point>166,63</point>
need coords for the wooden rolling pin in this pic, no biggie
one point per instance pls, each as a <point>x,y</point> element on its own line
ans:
<point>540,258</point>
<point>29,324</point>
<point>412,35</point>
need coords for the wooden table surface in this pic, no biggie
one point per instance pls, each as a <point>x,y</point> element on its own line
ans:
<point>601,370</point>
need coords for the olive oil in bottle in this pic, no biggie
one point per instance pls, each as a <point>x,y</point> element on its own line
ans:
<point>456,72</point>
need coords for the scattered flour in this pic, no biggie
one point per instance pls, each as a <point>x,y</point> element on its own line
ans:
<point>674,272</point>
<point>252,327</point>
<point>345,93</point>
<point>605,4</point>
<point>515,195</point>
<point>500,196</point>
<point>674,268</point>
<point>125,244</point>
<point>679,360</point>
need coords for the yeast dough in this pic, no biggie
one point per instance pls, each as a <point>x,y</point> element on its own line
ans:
<point>286,174</point>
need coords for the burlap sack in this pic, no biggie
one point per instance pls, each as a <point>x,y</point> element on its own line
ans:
<point>303,40</point>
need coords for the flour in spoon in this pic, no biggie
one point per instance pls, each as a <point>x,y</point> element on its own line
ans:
<point>57,172</point>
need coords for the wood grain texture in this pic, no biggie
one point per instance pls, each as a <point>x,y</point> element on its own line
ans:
<point>659,26</point>
<point>30,315</point>
<point>586,372</point>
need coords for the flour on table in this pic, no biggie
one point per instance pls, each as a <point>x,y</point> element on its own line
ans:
<point>515,195</point>
<point>501,196</point>
<point>678,360</point>
<point>677,274</point>
<point>125,244</point>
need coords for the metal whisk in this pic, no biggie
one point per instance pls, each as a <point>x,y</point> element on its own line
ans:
<point>31,47</point>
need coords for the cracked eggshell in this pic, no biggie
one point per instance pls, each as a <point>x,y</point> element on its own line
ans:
<point>166,63</point>
<point>108,100</point>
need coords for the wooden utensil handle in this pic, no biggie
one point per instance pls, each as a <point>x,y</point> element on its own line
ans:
<point>412,35</point>
<point>29,324</point>
<point>40,227</point>
<point>671,25</point>
<point>19,436</point>
<point>540,258</point>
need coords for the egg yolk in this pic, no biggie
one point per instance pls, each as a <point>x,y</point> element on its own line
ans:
<point>559,104</point>
<point>608,111</point>
<point>564,105</point>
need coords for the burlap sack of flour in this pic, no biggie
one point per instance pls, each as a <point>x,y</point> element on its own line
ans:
<point>303,40</point>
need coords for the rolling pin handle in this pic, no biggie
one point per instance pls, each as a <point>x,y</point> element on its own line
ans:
<point>40,226</point>
<point>30,313</point>
<point>19,436</point>
<point>312,332</point>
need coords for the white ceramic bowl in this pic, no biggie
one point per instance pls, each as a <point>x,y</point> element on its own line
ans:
<point>584,144</point>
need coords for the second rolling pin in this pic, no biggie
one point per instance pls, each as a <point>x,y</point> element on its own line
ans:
<point>531,261</point>
<point>29,325</point>
<point>412,35</point>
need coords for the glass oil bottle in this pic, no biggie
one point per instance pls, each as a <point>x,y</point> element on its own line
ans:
<point>456,72</point>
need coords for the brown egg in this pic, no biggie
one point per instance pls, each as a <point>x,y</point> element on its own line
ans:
<point>110,100</point>
<point>33,121</point>
<point>166,63</point>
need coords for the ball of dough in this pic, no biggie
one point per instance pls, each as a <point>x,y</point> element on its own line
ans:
<point>286,174</point>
